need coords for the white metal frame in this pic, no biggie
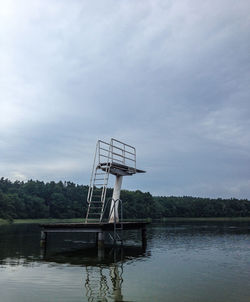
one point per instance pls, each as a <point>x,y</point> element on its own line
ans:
<point>106,154</point>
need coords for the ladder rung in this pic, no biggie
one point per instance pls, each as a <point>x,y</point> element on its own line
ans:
<point>96,214</point>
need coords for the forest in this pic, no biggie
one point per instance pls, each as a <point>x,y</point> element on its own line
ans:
<point>37,199</point>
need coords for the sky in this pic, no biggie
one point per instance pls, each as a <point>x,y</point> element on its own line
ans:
<point>171,78</point>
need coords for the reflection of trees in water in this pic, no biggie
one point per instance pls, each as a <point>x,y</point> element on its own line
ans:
<point>102,288</point>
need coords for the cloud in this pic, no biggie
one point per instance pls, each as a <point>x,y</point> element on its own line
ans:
<point>170,77</point>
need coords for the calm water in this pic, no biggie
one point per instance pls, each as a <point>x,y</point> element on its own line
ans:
<point>182,262</point>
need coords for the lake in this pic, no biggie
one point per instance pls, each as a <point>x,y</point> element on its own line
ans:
<point>182,262</point>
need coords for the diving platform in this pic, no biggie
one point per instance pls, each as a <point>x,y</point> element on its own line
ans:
<point>114,158</point>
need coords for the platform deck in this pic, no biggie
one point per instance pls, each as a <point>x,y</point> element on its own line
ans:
<point>119,169</point>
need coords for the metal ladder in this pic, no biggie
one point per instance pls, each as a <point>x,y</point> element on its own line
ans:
<point>98,182</point>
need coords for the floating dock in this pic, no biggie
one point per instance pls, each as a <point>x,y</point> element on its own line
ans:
<point>97,228</point>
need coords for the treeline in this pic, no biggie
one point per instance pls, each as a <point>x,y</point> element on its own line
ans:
<point>188,206</point>
<point>36,199</point>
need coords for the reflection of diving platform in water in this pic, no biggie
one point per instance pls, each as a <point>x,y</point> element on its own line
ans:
<point>103,285</point>
<point>103,273</point>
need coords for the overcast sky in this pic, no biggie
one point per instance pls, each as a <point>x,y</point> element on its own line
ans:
<point>171,78</point>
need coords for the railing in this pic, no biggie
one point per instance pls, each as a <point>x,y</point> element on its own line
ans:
<point>117,152</point>
<point>120,219</point>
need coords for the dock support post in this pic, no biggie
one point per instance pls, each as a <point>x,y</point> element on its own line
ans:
<point>96,239</point>
<point>43,239</point>
<point>100,245</point>
<point>100,240</point>
<point>144,237</point>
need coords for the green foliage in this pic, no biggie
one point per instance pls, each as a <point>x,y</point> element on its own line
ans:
<point>36,199</point>
<point>188,206</point>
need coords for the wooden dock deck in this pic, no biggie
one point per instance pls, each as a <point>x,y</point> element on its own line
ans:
<point>91,227</point>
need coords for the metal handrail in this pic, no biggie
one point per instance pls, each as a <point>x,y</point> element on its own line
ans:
<point>112,208</point>
<point>115,151</point>
<point>116,140</point>
<point>116,235</point>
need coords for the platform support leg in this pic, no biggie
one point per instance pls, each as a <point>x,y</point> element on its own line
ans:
<point>114,215</point>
